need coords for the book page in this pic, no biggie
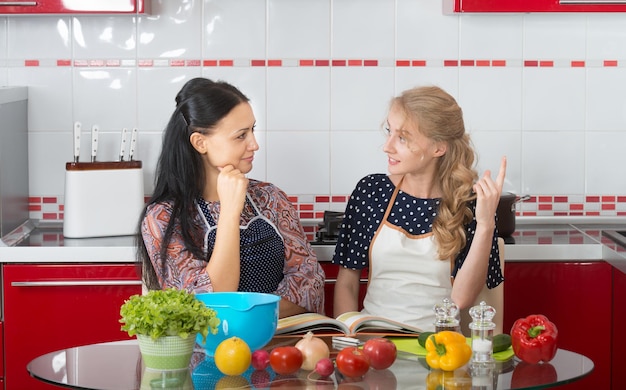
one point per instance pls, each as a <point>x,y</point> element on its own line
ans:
<point>347,324</point>
<point>314,322</point>
<point>360,322</point>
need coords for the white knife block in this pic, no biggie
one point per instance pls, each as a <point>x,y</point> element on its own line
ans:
<point>102,199</point>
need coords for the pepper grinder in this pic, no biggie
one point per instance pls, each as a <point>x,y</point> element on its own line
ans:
<point>446,316</point>
<point>482,328</point>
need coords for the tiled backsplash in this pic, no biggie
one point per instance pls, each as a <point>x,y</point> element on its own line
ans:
<point>51,208</point>
<point>546,90</point>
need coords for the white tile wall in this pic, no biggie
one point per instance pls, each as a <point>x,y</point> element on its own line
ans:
<point>477,39</point>
<point>553,99</point>
<point>354,154</point>
<point>444,77</point>
<point>232,29</point>
<point>423,32</point>
<point>555,36</point>
<point>106,97</point>
<point>109,37</point>
<point>298,99</point>
<point>553,162</point>
<point>559,122</point>
<point>359,97</point>
<point>299,161</point>
<point>174,30</point>
<point>605,158</point>
<point>298,29</point>
<point>491,98</point>
<point>606,99</point>
<point>24,37</point>
<point>363,29</point>
<point>606,36</point>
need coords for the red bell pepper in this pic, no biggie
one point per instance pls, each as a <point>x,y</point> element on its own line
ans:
<point>534,339</point>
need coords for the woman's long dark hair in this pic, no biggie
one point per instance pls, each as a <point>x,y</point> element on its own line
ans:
<point>180,176</point>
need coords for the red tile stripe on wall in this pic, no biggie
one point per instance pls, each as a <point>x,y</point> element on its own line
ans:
<point>51,208</point>
<point>333,62</point>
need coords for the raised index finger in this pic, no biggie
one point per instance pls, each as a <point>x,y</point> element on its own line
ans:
<point>501,174</point>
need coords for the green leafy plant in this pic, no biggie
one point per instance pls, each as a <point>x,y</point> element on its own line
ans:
<point>168,312</point>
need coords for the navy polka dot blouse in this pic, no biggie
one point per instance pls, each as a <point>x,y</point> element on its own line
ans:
<point>365,210</point>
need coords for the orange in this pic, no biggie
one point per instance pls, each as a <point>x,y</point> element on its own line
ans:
<point>233,356</point>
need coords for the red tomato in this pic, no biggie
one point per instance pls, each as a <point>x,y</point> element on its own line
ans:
<point>382,352</point>
<point>286,360</point>
<point>352,362</point>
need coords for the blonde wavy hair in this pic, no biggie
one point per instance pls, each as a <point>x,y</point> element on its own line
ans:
<point>436,115</point>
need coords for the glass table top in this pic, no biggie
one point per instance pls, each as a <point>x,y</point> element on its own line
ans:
<point>118,365</point>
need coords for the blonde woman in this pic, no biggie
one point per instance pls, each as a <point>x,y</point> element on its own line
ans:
<point>426,230</point>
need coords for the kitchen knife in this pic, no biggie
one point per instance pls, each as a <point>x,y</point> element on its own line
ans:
<point>133,143</point>
<point>123,143</point>
<point>94,142</point>
<point>77,130</point>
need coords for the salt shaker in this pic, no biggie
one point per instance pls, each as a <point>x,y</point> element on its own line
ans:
<point>482,328</point>
<point>446,316</point>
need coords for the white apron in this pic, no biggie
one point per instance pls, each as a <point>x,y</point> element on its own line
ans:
<point>406,278</point>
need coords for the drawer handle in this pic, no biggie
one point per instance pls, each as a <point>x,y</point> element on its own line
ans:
<point>333,280</point>
<point>18,3</point>
<point>63,283</point>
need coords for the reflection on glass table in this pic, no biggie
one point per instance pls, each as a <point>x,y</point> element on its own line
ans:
<point>118,365</point>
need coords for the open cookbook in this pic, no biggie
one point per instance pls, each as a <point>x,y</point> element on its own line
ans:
<point>347,324</point>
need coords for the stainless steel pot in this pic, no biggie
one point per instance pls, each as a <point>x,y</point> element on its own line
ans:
<point>506,213</point>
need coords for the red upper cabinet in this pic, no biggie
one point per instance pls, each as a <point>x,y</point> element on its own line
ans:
<point>28,7</point>
<point>486,6</point>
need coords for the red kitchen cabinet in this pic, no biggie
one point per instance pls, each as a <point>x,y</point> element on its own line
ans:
<point>577,297</point>
<point>1,357</point>
<point>48,307</point>
<point>75,7</point>
<point>486,6</point>
<point>618,358</point>
<point>331,271</point>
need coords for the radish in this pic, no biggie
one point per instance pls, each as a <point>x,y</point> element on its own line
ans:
<point>324,367</point>
<point>260,359</point>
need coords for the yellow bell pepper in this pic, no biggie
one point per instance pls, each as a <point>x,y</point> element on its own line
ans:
<point>447,350</point>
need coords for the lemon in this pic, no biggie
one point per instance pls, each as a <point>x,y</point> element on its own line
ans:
<point>233,356</point>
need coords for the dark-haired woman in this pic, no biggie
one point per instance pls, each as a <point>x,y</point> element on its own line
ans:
<point>207,227</point>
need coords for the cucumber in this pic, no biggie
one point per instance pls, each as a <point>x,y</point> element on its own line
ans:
<point>501,342</point>
<point>421,339</point>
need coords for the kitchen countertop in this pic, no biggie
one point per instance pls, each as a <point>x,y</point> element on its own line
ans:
<point>535,239</point>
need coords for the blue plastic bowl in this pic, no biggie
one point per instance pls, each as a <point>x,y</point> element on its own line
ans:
<point>252,317</point>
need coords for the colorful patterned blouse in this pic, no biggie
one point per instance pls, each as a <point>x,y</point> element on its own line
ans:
<point>303,282</point>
